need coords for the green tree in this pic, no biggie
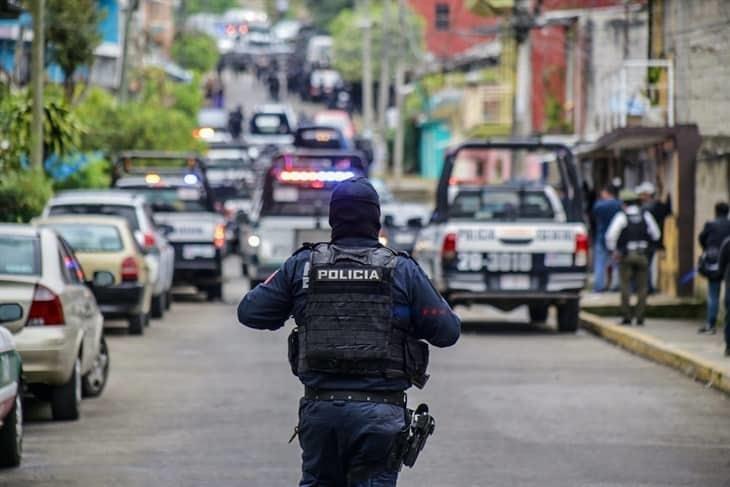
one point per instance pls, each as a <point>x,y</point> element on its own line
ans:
<point>72,34</point>
<point>345,29</point>
<point>213,6</point>
<point>195,50</point>
<point>324,11</point>
<point>23,194</point>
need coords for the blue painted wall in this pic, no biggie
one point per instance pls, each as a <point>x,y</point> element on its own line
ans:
<point>435,137</point>
<point>109,26</point>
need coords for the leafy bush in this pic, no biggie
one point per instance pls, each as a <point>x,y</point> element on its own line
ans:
<point>23,193</point>
<point>162,118</point>
<point>195,50</point>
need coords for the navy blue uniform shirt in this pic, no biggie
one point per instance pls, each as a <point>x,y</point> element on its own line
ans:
<point>269,305</point>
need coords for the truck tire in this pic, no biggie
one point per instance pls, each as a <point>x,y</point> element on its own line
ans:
<point>538,313</point>
<point>66,398</point>
<point>11,434</point>
<point>157,308</point>
<point>137,323</point>
<point>568,316</point>
<point>215,292</point>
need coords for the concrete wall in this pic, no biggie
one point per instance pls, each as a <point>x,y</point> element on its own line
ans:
<point>605,28</point>
<point>697,37</point>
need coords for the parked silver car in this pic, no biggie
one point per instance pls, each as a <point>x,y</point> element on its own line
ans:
<point>59,333</point>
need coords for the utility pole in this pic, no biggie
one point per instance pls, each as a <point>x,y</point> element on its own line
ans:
<point>399,82</point>
<point>123,89</point>
<point>384,84</point>
<point>37,75</point>
<point>522,24</point>
<point>367,72</point>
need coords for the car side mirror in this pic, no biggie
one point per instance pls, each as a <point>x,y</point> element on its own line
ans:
<point>416,222</point>
<point>388,221</point>
<point>242,218</point>
<point>102,279</point>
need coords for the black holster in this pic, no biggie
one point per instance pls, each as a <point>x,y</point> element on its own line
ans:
<point>412,438</point>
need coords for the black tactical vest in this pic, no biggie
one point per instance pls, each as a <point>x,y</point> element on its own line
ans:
<point>635,236</point>
<point>349,328</point>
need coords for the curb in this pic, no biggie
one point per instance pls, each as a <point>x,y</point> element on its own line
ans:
<point>657,351</point>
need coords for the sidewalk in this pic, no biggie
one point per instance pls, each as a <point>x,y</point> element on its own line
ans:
<point>671,342</point>
<point>658,305</point>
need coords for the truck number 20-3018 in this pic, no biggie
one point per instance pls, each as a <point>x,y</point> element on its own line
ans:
<point>494,261</point>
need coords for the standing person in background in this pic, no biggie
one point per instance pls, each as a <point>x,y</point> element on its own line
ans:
<point>632,234</point>
<point>603,212</point>
<point>724,269</point>
<point>714,233</point>
<point>660,211</point>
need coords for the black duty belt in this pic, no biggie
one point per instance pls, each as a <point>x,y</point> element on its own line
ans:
<point>397,398</point>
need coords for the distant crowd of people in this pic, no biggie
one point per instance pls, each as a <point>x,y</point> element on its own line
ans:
<point>627,228</point>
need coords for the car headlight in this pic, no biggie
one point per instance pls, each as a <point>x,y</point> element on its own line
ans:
<point>254,241</point>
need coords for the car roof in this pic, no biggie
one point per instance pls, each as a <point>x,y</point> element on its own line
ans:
<point>272,108</point>
<point>116,221</point>
<point>18,229</point>
<point>107,196</point>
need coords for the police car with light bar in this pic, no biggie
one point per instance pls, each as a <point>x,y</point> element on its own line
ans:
<point>293,206</point>
<point>176,187</point>
<point>508,230</point>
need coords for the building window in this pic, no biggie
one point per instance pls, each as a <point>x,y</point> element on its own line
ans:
<point>442,16</point>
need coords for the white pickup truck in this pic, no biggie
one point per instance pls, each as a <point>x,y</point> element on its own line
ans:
<point>503,239</point>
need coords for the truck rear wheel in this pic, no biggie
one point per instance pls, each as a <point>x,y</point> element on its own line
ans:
<point>568,316</point>
<point>538,313</point>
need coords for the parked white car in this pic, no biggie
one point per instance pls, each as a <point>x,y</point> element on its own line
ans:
<point>59,334</point>
<point>159,254</point>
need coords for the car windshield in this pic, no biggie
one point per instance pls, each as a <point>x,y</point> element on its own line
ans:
<point>19,256</point>
<point>127,212</point>
<point>90,238</point>
<point>288,200</point>
<point>269,124</point>
<point>173,199</point>
<point>485,205</point>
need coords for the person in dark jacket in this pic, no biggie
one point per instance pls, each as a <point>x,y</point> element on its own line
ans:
<point>724,260</point>
<point>603,212</point>
<point>711,238</point>
<point>353,410</point>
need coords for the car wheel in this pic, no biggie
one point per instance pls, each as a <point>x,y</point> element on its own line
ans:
<point>66,398</point>
<point>137,323</point>
<point>168,300</point>
<point>538,313</point>
<point>11,434</point>
<point>157,308</point>
<point>94,381</point>
<point>568,316</point>
<point>215,292</point>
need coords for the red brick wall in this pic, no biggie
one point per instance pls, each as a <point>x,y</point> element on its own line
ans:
<point>444,44</point>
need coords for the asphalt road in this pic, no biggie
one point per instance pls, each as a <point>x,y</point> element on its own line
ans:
<point>199,400</point>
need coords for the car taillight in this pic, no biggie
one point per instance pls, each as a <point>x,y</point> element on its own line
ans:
<point>581,249</point>
<point>130,270</point>
<point>149,240</point>
<point>219,236</point>
<point>46,309</point>
<point>448,249</point>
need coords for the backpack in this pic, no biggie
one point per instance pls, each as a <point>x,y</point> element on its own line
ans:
<point>708,265</point>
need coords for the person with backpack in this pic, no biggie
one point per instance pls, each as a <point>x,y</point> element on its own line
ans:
<point>631,237</point>
<point>713,234</point>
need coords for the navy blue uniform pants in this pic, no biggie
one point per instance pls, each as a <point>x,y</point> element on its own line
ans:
<point>345,444</point>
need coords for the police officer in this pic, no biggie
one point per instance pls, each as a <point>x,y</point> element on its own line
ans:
<point>632,236</point>
<point>362,312</point>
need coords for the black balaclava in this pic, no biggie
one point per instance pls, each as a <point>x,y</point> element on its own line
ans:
<point>355,210</point>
